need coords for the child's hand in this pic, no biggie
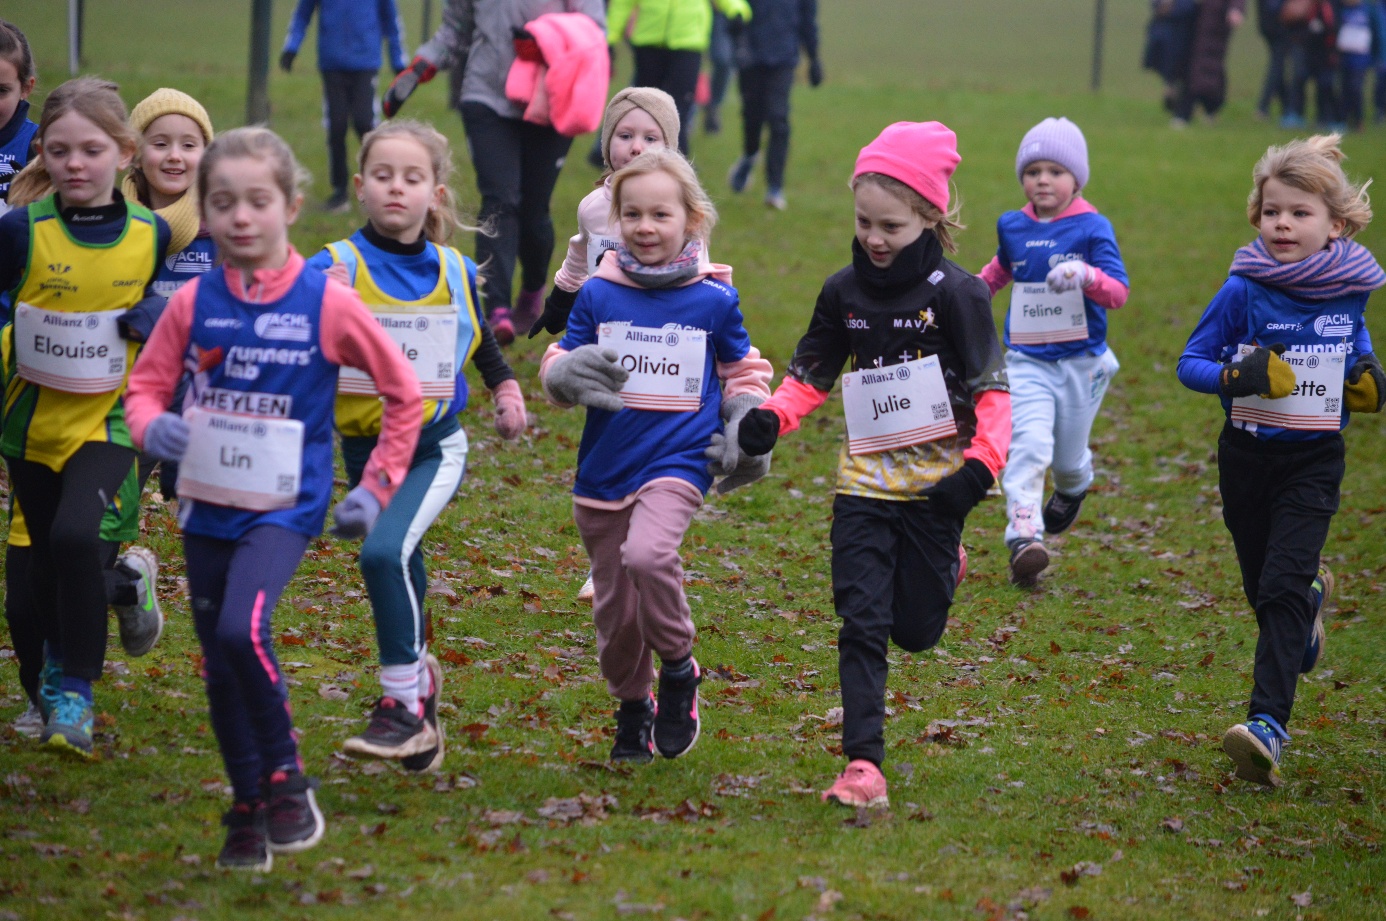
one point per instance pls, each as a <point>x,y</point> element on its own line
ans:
<point>958,493</point>
<point>557,307</point>
<point>167,437</point>
<point>1069,276</point>
<point>355,515</point>
<point>286,60</point>
<point>1261,373</point>
<point>588,375</point>
<point>423,68</point>
<point>338,270</point>
<point>510,410</point>
<point>1365,390</point>
<point>725,458</point>
<point>758,432</point>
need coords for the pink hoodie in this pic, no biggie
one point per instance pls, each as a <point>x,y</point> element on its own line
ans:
<point>349,336</point>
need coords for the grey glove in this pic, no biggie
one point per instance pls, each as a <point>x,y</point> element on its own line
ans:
<point>355,515</point>
<point>588,375</point>
<point>725,458</point>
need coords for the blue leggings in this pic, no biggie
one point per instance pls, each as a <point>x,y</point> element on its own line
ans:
<point>234,586</point>
<point>391,561</point>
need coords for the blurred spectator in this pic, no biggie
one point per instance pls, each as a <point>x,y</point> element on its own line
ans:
<point>1268,24</point>
<point>1310,29</point>
<point>1359,44</point>
<point>1168,39</point>
<point>1206,81</point>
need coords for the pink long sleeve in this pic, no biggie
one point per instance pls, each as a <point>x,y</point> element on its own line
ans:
<point>992,441</point>
<point>352,337</point>
<point>751,374</point>
<point>1106,291</point>
<point>793,401</point>
<point>160,363</point>
<point>996,275</point>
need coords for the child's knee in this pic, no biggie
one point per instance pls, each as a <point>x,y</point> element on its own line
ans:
<point>645,561</point>
<point>379,558</point>
<point>918,637</point>
<point>73,543</point>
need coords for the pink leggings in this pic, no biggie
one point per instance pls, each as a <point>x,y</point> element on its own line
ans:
<point>639,606</point>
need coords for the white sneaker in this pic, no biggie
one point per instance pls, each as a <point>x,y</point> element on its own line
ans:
<point>588,590</point>
<point>141,623</point>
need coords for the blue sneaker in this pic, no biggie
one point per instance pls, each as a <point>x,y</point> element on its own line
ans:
<point>1292,121</point>
<point>50,688</point>
<point>69,726</point>
<point>1313,650</point>
<point>740,175</point>
<point>1255,746</point>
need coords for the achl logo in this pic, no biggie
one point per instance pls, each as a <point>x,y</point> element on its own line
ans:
<point>1332,325</point>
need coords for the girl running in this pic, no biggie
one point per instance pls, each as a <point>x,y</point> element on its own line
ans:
<point>265,340</point>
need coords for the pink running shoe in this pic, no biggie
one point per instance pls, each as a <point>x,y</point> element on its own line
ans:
<point>862,784</point>
<point>502,326</point>
<point>528,306</point>
<point>962,566</point>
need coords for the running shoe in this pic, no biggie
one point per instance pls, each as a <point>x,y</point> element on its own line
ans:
<point>1313,650</point>
<point>295,822</point>
<point>1062,510</point>
<point>861,785</point>
<point>426,762</point>
<point>393,732</point>
<point>69,726</point>
<point>634,731</point>
<point>1255,747</point>
<point>1029,558</point>
<point>247,839</point>
<point>141,623</point>
<point>676,713</point>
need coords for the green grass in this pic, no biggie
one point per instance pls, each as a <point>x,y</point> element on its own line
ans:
<point>1049,734</point>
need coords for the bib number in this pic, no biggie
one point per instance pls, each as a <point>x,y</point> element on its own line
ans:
<point>665,365</point>
<point>1316,403</point>
<point>1040,316</point>
<point>71,352</point>
<point>428,339</point>
<point>896,406</point>
<point>246,462</point>
<point>1355,38</point>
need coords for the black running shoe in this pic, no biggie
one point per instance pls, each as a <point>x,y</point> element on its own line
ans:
<point>393,732</point>
<point>295,822</point>
<point>676,714</point>
<point>634,731</point>
<point>247,839</point>
<point>1029,558</point>
<point>1061,510</point>
<point>428,761</point>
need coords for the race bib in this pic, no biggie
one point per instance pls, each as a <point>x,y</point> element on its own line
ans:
<point>1316,403</point>
<point>897,406</point>
<point>597,246</point>
<point>1355,38</point>
<point>71,352</point>
<point>665,365</point>
<point>1040,316</point>
<point>247,462</point>
<point>428,338</point>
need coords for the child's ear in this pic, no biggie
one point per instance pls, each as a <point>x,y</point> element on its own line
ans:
<point>27,87</point>
<point>127,157</point>
<point>1336,228</point>
<point>293,208</point>
<point>357,182</point>
<point>440,192</point>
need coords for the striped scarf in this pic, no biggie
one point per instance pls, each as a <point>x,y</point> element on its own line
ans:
<point>1343,268</point>
<point>680,269</point>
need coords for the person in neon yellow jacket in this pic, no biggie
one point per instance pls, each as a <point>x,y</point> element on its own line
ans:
<point>669,38</point>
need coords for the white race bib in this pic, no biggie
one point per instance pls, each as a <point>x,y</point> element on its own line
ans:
<point>596,246</point>
<point>71,352</point>
<point>428,338</point>
<point>1040,316</point>
<point>665,365</point>
<point>1355,38</point>
<point>1316,403</point>
<point>246,462</point>
<point>896,406</point>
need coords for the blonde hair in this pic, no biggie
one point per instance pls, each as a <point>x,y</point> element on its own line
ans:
<point>445,218</point>
<point>1313,165</point>
<point>702,216</point>
<point>943,224</point>
<point>257,143</point>
<point>96,100</point>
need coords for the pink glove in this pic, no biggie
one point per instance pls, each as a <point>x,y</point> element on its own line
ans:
<point>1069,276</point>
<point>510,410</point>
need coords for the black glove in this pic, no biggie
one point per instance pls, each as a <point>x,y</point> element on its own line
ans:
<point>815,74</point>
<point>736,25</point>
<point>1260,373</point>
<point>958,493</point>
<point>1365,390</point>
<point>286,60</point>
<point>759,430</point>
<point>557,306</point>
<point>137,323</point>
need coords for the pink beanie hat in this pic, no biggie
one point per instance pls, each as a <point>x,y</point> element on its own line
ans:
<point>922,155</point>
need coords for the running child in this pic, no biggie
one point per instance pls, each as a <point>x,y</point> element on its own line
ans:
<point>1067,271</point>
<point>17,80</point>
<point>642,466</point>
<point>73,263</point>
<point>265,340</point>
<point>423,293</point>
<point>928,421</point>
<point>1285,346</point>
<point>637,119</point>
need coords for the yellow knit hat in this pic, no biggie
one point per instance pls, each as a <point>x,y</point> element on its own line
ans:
<point>165,101</point>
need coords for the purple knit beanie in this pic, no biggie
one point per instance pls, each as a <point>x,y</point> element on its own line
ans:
<point>1056,139</point>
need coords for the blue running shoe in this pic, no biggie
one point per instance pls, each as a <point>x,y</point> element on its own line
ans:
<point>69,726</point>
<point>1255,746</point>
<point>50,688</point>
<point>740,175</point>
<point>1323,591</point>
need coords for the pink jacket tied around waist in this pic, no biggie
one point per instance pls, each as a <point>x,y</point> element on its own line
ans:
<point>561,77</point>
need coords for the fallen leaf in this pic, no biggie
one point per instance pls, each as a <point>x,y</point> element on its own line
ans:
<point>1079,912</point>
<point>1173,824</point>
<point>1303,899</point>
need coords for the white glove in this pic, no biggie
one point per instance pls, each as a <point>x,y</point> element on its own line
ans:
<point>1069,276</point>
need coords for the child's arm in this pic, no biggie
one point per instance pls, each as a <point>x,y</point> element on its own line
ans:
<point>298,27</point>
<point>352,337</point>
<point>159,366</point>
<point>972,334</point>
<point>1222,326</point>
<point>393,31</point>
<point>996,275</point>
<point>496,372</point>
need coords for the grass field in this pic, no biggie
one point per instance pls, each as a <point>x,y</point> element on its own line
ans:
<point>1057,756</point>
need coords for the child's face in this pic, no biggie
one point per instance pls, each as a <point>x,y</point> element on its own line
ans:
<point>1049,187</point>
<point>170,151</point>
<point>397,188</point>
<point>654,222</point>
<point>1295,224</point>
<point>634,134</point>
<point>12,90</point>
<point>247,213</point>
<point>82,160</point>
<point>885,224</point>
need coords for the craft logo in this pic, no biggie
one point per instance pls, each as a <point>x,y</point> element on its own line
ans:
<point>292,327</point>
<point>1333,325</point>
<point>1030,243</point>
